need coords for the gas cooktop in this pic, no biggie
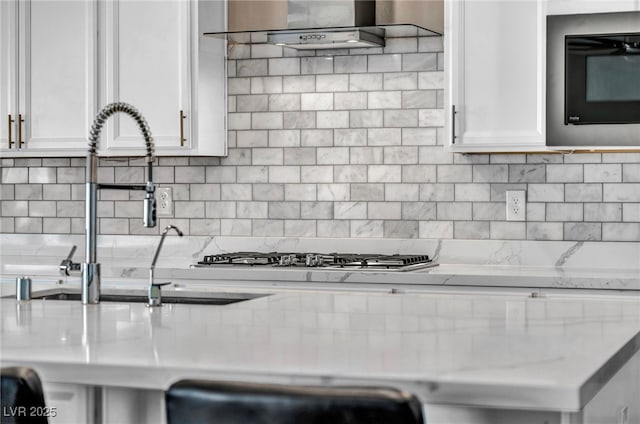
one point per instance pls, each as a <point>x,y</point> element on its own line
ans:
<point>335,261</point>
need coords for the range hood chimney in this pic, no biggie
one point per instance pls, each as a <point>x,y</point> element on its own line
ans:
<point>330,24</point>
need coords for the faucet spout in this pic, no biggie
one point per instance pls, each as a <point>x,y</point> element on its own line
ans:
<point>91,269</point>
<point>155,292</point>
<point>162,236</point>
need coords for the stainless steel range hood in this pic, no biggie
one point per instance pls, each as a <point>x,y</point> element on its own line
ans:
<point>328,39</point>
<point>330,24</point>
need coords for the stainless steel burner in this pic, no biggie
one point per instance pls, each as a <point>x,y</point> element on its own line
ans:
<point>365,262</point>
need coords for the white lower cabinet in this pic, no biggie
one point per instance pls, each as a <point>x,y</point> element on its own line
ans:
<point>494,53</point>
<point>616,402</point>
<point>68,403</point>
<point>132,406</point>
<point>80,404</point>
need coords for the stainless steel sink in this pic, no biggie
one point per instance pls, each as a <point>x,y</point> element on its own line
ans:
<point>141,296</point>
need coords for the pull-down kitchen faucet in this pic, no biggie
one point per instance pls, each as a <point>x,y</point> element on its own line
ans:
<point>90,268</point>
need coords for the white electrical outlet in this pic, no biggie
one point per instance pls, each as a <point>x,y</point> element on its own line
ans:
<point>164,201</point>
<point>516,205</point>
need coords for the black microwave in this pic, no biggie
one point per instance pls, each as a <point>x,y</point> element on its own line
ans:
<point>593,80</point>
<point>602,79</point>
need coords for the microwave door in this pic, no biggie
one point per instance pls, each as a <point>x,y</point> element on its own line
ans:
<point>602,79</point>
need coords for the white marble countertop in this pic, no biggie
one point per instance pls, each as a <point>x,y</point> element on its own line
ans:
<point>513,351</point>
<point>463,263</point>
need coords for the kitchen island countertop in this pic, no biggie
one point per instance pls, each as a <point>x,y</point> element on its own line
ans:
<point>507,351</point>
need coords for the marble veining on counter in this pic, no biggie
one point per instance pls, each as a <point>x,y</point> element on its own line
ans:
<point>511,351</point>
<point>530,264</point>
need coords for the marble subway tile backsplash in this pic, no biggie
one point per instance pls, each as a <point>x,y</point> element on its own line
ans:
<point>346,143</point>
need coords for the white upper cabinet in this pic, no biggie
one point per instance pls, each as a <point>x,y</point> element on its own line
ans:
<point>63,60</point>
<point>49,77</point>
<point>209,84</point>
<point>567,7</point>
<point>495,67</point>
<point>57,91</point>
<point>145,52</point>
<point>149,54</point>
<point>8,67</point>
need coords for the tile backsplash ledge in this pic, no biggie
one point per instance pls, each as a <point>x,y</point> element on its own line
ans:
<point>345,143</point>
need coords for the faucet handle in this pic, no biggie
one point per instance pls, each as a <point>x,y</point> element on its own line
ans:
<point>67,265</point>
<point>73,250</point>
<point>150,215</point>
<point>155,293</point>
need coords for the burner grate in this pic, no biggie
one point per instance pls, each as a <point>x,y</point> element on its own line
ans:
<point>319,260</point>
<point>384,261</point>
<point>241,258</point>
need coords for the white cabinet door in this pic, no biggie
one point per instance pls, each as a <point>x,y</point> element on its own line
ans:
<point>68,403</point>
<point>57,83</point>
<point>146,52</point>
<point>495,61</point>
<point>8,66</point>
<point>49,77</point>
<point>155,57</point>
<point>209,86</point>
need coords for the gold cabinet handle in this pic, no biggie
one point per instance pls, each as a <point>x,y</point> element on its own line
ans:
<point>20,121</point>
<point>9,128</point>
<point>182,117</point>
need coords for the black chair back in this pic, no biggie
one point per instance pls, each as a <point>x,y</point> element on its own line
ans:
<point>201,402</point>
<point>22,397</point>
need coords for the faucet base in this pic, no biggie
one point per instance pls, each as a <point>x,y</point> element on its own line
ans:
<point>90,283</point>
